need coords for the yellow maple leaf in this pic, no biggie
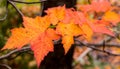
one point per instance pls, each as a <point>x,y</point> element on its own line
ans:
<point>112,17</point>
<point>56,14</point>
<point>68,31</point>
<point>87,31</point>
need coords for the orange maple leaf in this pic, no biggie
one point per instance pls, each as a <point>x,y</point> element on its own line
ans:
<point>51,33</point>
<point>76,16</point>
<point>87,31</point>
<point>101,5</point>
<point>56,14</point>
<point>100,28</point>
<point>68,31</point>
<point>36,32</point>
<point>96,5</point>
<point>41,47</point>
<point>112,17</point>
<point>36,26</point>
<point>17,39</point>
<point>43,44</point>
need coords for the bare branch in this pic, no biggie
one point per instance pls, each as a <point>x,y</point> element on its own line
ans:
<point>15,51</point>
<point>94,47</point>
<point>28,2</point>
<point>82,55</point>
<point>15,7</point>
<point>42,7</point>
<point>109,53</point>
<point>2,19</point>
<point>6,66</point>
<point>24,49</point>
<point>100,44</point>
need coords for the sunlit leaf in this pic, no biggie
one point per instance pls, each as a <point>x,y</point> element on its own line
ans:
<point>41,47</point>
<point>56,14</point>
<point>19,38</point>
<point>112,17</point>
<point>68,31</point>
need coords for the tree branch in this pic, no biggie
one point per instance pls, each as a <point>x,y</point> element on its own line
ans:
<point>2,19</point>
<point>6,66</point>
<point>78,43</point>
<point>15,51</point>
<point>94,47</point>
<point>9,1</point>
<point>27,2</point>
<point>24,49</point>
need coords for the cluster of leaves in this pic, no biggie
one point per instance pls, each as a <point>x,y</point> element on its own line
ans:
<point>64,23</point>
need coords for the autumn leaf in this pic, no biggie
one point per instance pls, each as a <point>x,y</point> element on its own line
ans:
<point>68,31</point>
<point>87,31</point>
<point>96,5</point>
<point>17,38</point>
<point>101,5</point>
<point>56,14</point>
<point>43,44</point>
<point>37,25</point>
<point>100,28</point>
<point>112,17</point>
<point>67,42</point>
<point>33,33</point>
<point>68,16</point>
<point>76,16</point>
<point>41,47</point>
<point>51,33</point>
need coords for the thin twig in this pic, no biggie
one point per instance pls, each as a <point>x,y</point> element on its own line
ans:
<point>6,66</point>
<point>24,49</point>
<point>5,14</point>
<point>100,45</point>
<point>15,51</point>
<point>42,7</point>
<point>109,53</point>
<point>80,58</point>
<point>93,46</point>
<point>15,7</point>
<point>28,2</point>
<point>2,19</point>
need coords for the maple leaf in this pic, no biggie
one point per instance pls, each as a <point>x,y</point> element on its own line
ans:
<point>56,14</point>
<point>43,44</point>
<point>37,25</point>
<point>76,16</point>
<point>41,47</point>
<point>87,31</point>
<point>67,41</point>
<point>34,33</point>
<point>96,5</point>
<point>112,17</point>
<point>101,5</point>
<point>17,39</point>
<point>51,33</point>
<point>100,28</point>
<point>68,31</point>
<point>68,16</point>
